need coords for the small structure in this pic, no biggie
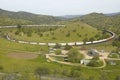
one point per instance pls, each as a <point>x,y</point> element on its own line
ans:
<point>93,52</point>
<point>112,63</point>
<point>84,61</point>
<point>119,53</point>
<point>65,58</point>
<point>51,50</point>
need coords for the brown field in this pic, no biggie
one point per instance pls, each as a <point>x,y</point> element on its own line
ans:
<point>22,55</point>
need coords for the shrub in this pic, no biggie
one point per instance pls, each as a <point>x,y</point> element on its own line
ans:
<point>68,35</point>
<point>74,30</point>
<point>1,67</point>
<point>74,56</point>
<point>67,47</point>
<point>17,32</point>
<point>53,38</point>
<point>40,34</point>
<point>57,46</point>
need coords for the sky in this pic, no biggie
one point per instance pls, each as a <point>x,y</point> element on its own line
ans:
<point>62,7</point>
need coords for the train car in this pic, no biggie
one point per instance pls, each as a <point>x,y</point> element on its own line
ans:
<point>21,42</point>
<point>12,40</point>
<point>88,42</point>
<point>71,44</point>
<point>26,42</point>
<point>43,44</point>
<point>63,44</point>
<point>99,41</point>
<point>79,43</point>
<point>33,43</point>
<point>51,44</point>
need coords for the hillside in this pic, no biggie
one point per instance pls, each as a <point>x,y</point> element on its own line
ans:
<point>13,18</point>
<point>72,32</point>
<point>102,21</point>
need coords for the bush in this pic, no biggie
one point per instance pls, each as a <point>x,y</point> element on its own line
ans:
<point>42,71</point>
<point>68,35</point>
<point>74,56</point>
<point>95,62</point>
<point>17,32</point>
<point>74,30</point>
<point>29,34</point>
<point>67,47</point>
<point>1,67</point>
<point>57,46</point>
<point>40,34</point>
<point>53,38</point>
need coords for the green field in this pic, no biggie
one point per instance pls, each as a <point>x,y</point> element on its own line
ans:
<point>27,67</point>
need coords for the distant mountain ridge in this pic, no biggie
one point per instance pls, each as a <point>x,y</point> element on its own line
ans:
<point>102,21</point>
<point>93,19</point>
<point>22,17</point>
<point>113,14</point>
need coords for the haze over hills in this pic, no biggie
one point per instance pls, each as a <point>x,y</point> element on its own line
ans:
<point>65,17</point>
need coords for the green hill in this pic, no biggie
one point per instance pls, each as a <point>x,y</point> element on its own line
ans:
<point>73,31</point>
<point>102,21</point>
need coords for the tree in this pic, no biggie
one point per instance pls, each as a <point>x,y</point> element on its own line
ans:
<point>40,34</point>
<point>17,32</point>
<point>68,35</point>
<point>57,45</point>
<point>74,56</point>
<point>54,38</point>
<point>79,35</point>
<point>19,26</point>
<point>95,62</point>
<point>85,40</point>
<point>117,78</point>
<point>91,39</point>
<point>91,78</point>
<point>74,30</point>
<point>1,68</point>
<point>29,32</point>
<point>67,47</point>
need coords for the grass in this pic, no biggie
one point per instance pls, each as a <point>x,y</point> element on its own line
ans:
<point>13,46</point>
<point>28,66</point>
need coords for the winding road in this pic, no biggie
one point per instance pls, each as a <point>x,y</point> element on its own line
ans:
<point>102,58</point>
